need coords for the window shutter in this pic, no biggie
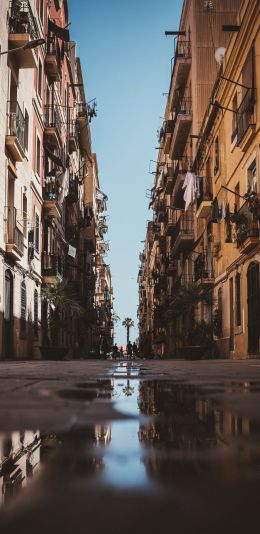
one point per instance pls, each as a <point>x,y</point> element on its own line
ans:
<point>37,232</point>
<point>23,308</point>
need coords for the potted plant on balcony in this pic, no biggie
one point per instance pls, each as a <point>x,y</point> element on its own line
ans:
<point>19,18</point>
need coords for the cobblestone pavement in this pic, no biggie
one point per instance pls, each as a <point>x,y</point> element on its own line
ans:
<point>105,447</point>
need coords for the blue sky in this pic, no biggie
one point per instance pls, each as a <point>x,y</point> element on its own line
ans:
<point>126,62</point>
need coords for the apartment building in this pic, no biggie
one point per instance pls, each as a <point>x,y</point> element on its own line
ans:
<point>228,148</point>
<point>200,42</point>
<point>46,171</point>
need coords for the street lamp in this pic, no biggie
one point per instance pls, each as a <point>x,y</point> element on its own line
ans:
<point>29,45</point>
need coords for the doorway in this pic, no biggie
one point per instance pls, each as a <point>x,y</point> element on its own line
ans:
<point>231,304</point>
<point>8,315</point>
<point>253,306</point>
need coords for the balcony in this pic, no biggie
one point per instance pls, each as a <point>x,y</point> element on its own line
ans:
<point>73,193</point>
<point>73,137</point>
<point>84,131</point>
<point>203,269</point>
<point>15,138</point>
<point>22,30</point>
<point>247,229</point>
<point>52,62</point>
<point>51,207</point>
<point>72,234</point>
<point>181,69</point>
<point>204,198</point>
<point>159,207</point>
<point>14,236</point>
<point>186,279</point>
<point>169,180</point>
<point>52,127</point>
<point>168,128</point>
<point>246,120</point>
<point>183,235</point>
<point>52,268</point>
<point>170,221</point>
<point>183,119</point>
<point>171,266</point>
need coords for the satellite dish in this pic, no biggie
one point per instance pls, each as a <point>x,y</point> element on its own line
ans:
<point>219,54</point>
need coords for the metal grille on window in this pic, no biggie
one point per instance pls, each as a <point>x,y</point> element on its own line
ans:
<point>23,309</point>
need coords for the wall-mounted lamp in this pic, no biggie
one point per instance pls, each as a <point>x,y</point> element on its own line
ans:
<point>29,45</point>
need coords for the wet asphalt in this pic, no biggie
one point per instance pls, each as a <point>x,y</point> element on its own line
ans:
<point>145,446</point>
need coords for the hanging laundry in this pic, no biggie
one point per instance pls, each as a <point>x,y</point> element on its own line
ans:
<point>214,211</point>
<point>160,180</point>
<point>72,251</point>
<point>223,210</point>
<point>190,186</point>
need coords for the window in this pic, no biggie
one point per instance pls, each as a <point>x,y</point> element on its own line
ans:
<point>36,312</point>
<point>41,10</point>
<point>26,130</point>
<point>38,155</point>
<point>23,310</point>
<point>234,118</point>
<point>37,232</point>
<point>237,197</point>
<point>248,73</point>
<point>238,299</point>
<point>39,82</point>
<point>252,178</point>
<point>216,155</point>
<point>24,215</point>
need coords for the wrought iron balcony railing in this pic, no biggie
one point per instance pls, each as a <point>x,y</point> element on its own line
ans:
<point>16,122</point>
<point>52,265</point>
<point>21,19</point>
<point>184,226</point>
<point>205,191</point>
<point>53,118</point>
<point>14,233</point>
<point>203,266</point>
<point>247,225</point>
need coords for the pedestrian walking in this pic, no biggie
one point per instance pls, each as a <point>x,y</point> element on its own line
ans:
<point>135,350</point>
<point>115,351</point>
<point>129,350</point>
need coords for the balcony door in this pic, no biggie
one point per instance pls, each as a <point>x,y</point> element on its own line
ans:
<point>231,312</point>
<point>253,304</point>
<point>8,314</point>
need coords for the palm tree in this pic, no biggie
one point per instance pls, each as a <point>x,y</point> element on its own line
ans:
<point>128,323</point>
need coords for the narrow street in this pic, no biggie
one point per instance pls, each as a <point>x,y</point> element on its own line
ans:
<point>114,446</point>
<point>129,266</point>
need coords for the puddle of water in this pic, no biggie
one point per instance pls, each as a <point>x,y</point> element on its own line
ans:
<point>175,443</point>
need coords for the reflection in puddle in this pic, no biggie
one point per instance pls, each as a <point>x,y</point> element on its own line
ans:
<point>170,436</point>
<point>19,461</point>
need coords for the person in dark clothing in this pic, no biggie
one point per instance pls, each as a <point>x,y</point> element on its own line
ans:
<point>129,350</point>
<point>115,351</point>
<point>135,350</point>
